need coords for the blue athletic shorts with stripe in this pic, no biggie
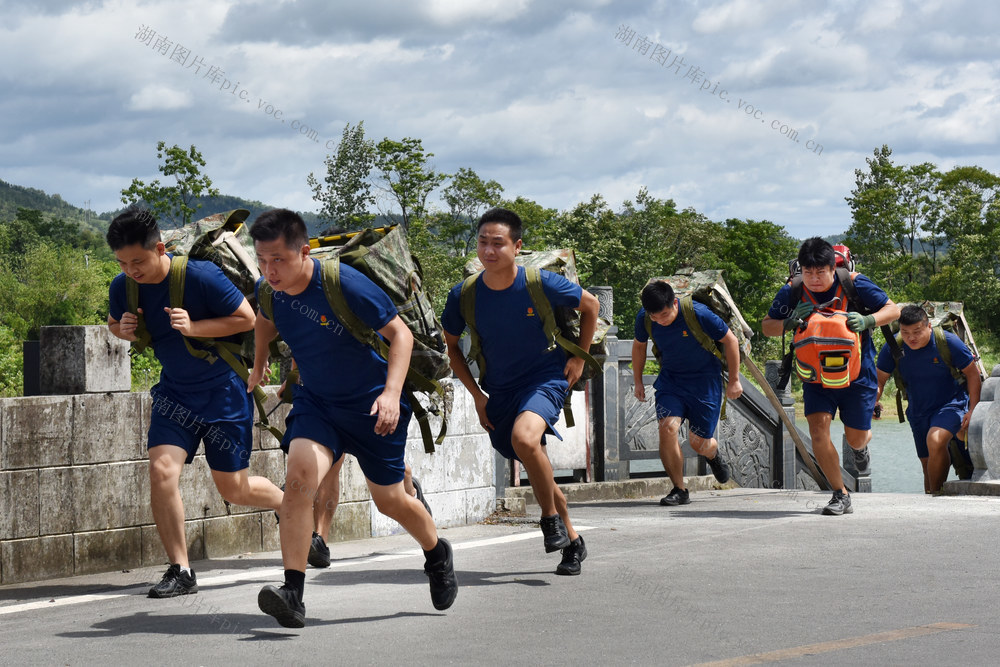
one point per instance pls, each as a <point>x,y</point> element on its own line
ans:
<point>949,417</point>
<point>221,417</point>
<point>855,403</point>
<point>351,431</point>
<point>545,400</point>
<point>698,399</point>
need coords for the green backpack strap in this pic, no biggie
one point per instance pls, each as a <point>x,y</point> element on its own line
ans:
<point>648,323</point>
<point>942,347</point>
<point>330,274</point>
<point>265,299</point>
<point>897,377</point>
<point>142,335</point>
<point>467,306</point>
<point>543,307</point>
<point>694,326</point>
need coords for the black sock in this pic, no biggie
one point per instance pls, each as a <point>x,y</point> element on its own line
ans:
<point>437,554</point>
<point>296,580</point>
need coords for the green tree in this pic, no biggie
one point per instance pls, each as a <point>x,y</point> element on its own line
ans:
<point>406,176</point>
<point>346,198</point>
<point>173,203</point>
<point>467,197</point>
<point>539,222</point>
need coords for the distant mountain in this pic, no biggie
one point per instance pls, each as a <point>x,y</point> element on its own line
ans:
<point>13,197</point>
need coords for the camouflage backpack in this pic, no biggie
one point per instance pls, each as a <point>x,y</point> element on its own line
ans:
<point>222,239</point>
<point>383,255</point>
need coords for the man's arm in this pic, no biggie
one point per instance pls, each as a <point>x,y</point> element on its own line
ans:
<point>460,367</point>
<point>264,332</point>
<point>589,307</point>
<point>974,385</point>
<point>731,347</point>
<point>883,377</point>
<point>124,329</point>
<point>214,327</point>
<point>638,364</point>
<point>771,327</point>
<point>887,313</point>
<point>386,405</point>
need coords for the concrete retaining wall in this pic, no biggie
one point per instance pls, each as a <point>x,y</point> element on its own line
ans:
<point>74,487</point>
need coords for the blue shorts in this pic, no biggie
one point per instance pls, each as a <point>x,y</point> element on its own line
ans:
<point>699,400</point>
<point>222,417</point>
<point>948,417</point>
<point>855,403</point>
<point>545,400</point>
<point>351,431</point>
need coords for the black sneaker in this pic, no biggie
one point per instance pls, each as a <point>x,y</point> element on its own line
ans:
<point>839,504</point>
<point>862,461</point>
<point>420,495</point>
<point>319,553</point>
<point>174,583</point>
<point>676,497</point>
<point>444,583</point>
<point>554,531</point>
<point>719,467</point>
<point>573,555</point>
<point>285,604</point>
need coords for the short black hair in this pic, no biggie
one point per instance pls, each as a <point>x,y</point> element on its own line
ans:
<point>816,253</point>
<point>911,314</point>
<point>656,296</point>
<point>135,225</point>
<point>503,216</point>
<point>280,223</point>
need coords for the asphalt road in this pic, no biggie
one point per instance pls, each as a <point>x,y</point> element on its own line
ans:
<point>739,576</point>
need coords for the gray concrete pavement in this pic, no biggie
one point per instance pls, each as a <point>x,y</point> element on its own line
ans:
<point>904,580</point>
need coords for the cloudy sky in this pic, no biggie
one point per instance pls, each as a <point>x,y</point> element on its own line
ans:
<point>736,108</point>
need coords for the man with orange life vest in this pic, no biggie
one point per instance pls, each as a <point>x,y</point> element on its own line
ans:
<point>821,284</point>
<point>939,406</point>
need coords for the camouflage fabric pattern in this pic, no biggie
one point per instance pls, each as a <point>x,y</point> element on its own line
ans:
<point>563,262</point>
<point>224,240</point>
<point>709,287</point>
<point>386,259</point>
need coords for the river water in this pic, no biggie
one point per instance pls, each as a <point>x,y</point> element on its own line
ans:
<point>895,466</point>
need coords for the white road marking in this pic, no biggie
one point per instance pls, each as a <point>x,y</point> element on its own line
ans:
<point>269,574</point>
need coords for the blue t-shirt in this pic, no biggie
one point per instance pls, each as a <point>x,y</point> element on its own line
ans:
<point>929,383</point>
<point>333,365</point>
<point>510,333</point>
<point>207,294</point>
<point>681,353</point>
<point>871,296</point>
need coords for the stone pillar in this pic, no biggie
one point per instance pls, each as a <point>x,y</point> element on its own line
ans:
<point>784,458</point>
<point>83,360</point>
<point>605,399</point>
<point>606,297</point>
<point>31,368</point>
<point>984,431</point>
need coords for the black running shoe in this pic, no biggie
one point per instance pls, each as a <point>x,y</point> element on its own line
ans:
<point>839,504</point>
<point>676,497</point>
<point>444,583</point>
<point>554,531</point>
<point>174,583</point>
<point>319,553</point>
<point>573,555</point>
<point>420,495</point>
<point>862,461</point>
<point>285,604</point>
<point>719,467</point>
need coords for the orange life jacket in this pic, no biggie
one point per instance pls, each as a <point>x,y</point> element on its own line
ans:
<point>827,352</point>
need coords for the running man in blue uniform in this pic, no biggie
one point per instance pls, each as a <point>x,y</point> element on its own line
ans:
<point>689,385</point>
<point>194,400</point>
<point>855,402</point>
<point>350,402</point>
<point>526,382</point>
<point>939,407</point>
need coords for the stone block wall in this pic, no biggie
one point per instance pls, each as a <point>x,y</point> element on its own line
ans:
<point>74,487</point>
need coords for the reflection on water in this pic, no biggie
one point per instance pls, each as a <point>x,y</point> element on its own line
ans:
<point>895,466</point>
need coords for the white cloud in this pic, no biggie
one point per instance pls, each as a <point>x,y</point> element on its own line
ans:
<point>155,97</point>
